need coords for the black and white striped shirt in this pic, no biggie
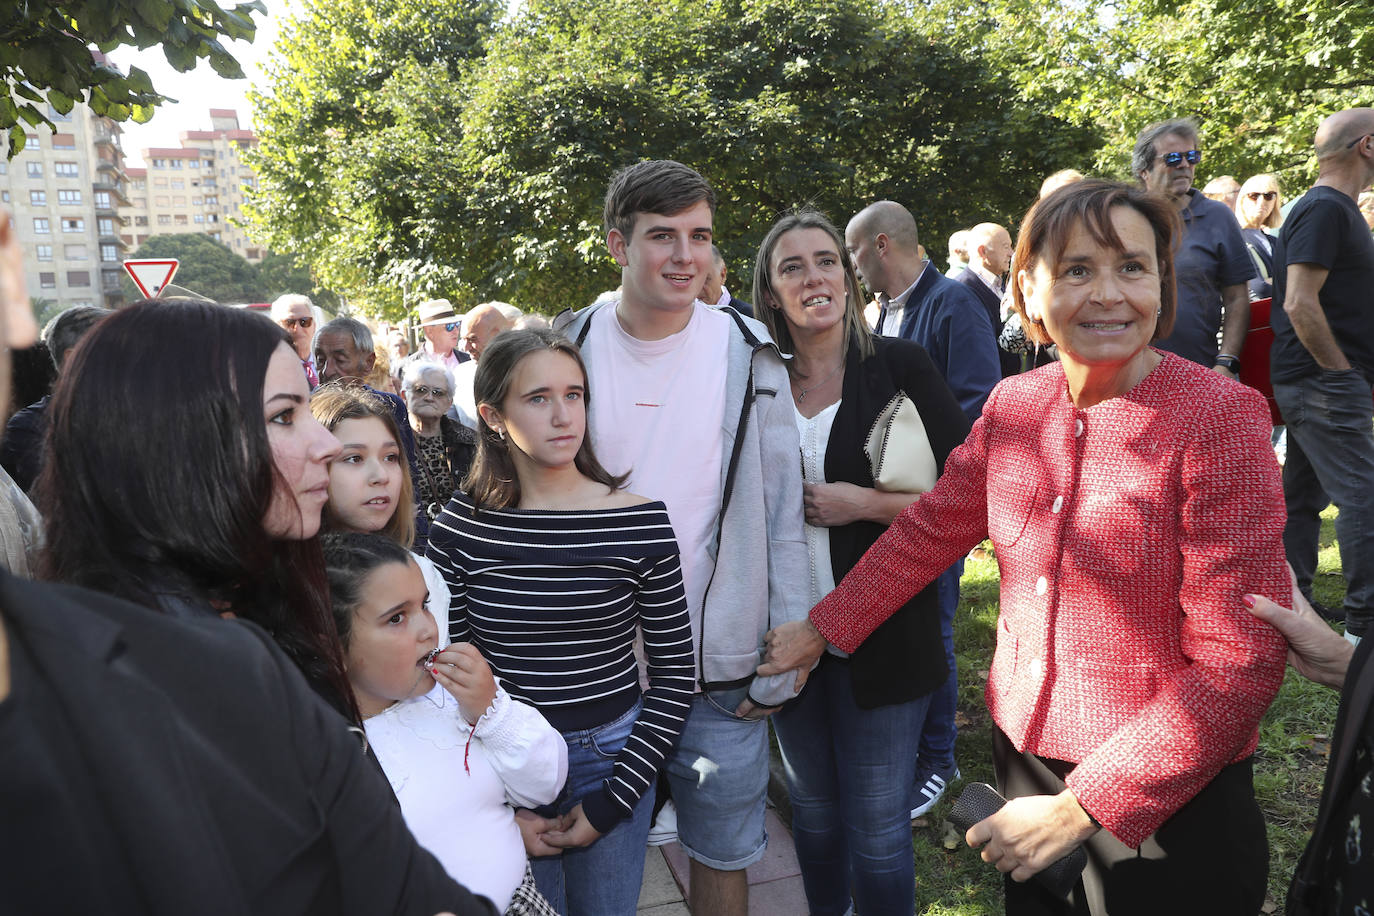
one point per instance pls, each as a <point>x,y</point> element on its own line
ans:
<point>552,600</point>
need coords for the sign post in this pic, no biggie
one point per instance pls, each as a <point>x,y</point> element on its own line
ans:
<point>151,275</point>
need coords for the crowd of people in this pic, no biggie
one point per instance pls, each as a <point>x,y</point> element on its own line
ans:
<point>334,626</point>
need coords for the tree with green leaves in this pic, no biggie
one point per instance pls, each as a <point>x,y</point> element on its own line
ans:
<point>777,102</point>
<point>208,267</point>
<point>1258,77</point>
<point>487,182</point>
<point>46,54</point>
<point>356,133</point>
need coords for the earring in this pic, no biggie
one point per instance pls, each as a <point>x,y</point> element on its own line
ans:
<point>1159,311</point>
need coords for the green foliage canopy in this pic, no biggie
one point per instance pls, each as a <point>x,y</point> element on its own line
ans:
<point>46,59</point>
<point>485,180</point>
<point>354,142</point>
<point>1257,76</point>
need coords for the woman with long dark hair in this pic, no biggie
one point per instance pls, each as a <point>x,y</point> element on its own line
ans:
<point>186,473</point>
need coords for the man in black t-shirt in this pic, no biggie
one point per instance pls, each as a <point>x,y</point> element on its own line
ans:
<point>1322,363</point>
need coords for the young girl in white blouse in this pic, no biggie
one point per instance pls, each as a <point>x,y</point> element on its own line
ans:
<point>457,750</point>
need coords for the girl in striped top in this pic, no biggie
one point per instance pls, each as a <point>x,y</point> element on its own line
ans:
<point>552,568</point>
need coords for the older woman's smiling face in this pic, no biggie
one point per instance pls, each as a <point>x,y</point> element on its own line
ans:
<point>1100,305</point>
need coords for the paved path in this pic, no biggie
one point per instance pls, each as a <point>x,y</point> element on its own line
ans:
<point>775,886</point>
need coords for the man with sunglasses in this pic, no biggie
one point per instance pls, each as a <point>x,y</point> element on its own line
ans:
<point>1322,364</point>
<point>441,326</point>
<point>296,313</point>
<point>1212,265</point>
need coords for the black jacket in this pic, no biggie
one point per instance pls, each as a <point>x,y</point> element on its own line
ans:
<point>905,657</point>
<point>992,304</point>
<point>1311,891</point>
<point>226,785</point>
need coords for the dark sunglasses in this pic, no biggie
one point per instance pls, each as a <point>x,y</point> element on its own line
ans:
<point>290,323</point>
<point>423,390</point>
<point>1256,195</point>
<point>451,326</point>
<point>1174,159</point>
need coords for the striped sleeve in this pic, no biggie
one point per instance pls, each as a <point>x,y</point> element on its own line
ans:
<point>667,633</point>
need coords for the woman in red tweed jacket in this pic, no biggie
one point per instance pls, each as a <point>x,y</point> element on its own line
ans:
<point>1132,498</point>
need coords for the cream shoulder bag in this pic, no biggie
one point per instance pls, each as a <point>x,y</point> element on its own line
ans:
<point>899,453</point>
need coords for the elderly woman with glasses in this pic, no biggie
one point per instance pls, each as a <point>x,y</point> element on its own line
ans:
<point>1257,209</point>
<point>1133,499</point>
<point>444,447</point>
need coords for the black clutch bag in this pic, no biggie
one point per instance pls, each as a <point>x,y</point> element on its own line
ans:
<point>980,800</point>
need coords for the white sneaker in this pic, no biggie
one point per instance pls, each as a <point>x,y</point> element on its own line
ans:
<point>932,792</point>
<point>664,830</point>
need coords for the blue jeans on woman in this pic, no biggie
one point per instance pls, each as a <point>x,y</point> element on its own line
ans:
<point>602,879</point>
<point>849,774</point>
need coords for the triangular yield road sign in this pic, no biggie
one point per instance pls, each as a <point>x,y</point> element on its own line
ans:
<point>150,275</point>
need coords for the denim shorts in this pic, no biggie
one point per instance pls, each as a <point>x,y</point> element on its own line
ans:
<point>719,779</point>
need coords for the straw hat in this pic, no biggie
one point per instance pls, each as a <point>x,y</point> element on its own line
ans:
<point>437,311</point>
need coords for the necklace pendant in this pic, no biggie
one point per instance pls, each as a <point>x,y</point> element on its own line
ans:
<point>802,396</point>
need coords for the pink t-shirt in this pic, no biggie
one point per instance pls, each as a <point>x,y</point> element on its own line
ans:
<point>657,407</point>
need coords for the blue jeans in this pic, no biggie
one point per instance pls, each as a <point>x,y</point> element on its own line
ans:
<point>937,739</point>
<point>602,879</point>
<point>849,774</point>
<point>1330,420</point>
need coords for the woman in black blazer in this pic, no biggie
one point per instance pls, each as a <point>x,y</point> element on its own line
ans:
<point>849,741</point>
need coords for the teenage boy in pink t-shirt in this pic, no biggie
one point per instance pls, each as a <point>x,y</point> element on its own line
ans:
<point>694,403</point>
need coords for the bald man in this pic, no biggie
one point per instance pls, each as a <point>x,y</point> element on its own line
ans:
<point>480,326</point>
<point>1322,363</point>
<point>919,303</point>
<point>989,259</point>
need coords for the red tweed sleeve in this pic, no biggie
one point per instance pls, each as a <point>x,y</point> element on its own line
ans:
<point>922,542</point>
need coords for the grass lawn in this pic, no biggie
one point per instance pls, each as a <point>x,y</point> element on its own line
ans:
<point>1294,741</point>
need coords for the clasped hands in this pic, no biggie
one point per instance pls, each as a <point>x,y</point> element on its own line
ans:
<point>548,836</point>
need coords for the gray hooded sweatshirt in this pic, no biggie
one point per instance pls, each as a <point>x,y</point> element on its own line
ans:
<point>761,573</point>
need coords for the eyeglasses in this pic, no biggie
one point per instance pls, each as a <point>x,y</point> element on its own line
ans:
<point>1352,143</point>
<point>1256,195</point>
<point>451,326</point>
<point>1173,160</point>
<point>290,323</point>
<point>423,390</point>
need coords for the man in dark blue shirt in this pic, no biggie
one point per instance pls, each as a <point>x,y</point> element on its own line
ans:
<point>1322,363</point>
<point>946,318</point>
<point>1212,265</point>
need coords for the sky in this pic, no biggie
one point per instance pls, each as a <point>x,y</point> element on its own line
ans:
<point>202,88</point>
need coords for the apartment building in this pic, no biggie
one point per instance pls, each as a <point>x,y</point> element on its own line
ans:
<point>66,190</point>
<point>197,187</point>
